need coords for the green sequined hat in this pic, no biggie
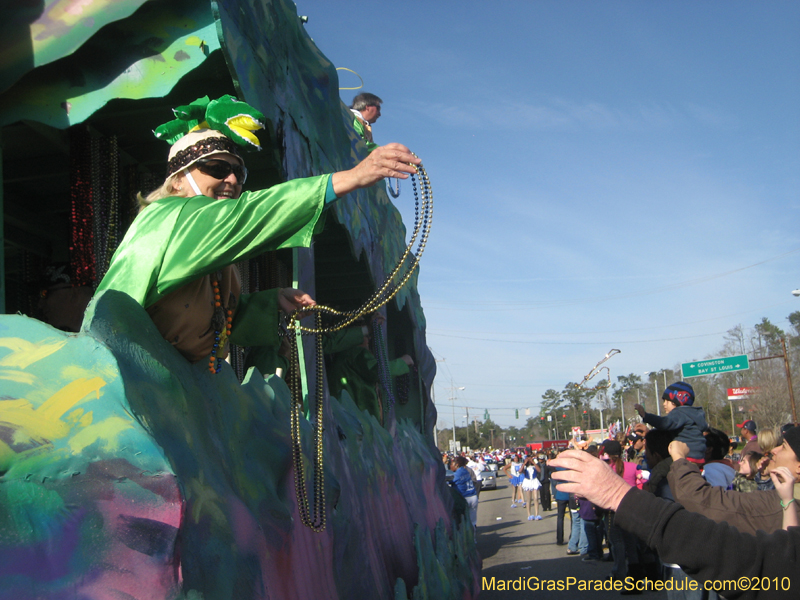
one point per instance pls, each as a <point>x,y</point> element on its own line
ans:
<point>210,127</point>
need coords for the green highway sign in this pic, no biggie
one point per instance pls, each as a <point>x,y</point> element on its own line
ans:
<point>713,366</point>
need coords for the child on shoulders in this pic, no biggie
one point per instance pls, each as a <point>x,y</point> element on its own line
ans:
<point>682,416</point>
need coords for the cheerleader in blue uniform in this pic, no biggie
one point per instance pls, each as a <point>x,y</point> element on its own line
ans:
<point>514,473</point>
<point>530,485</point>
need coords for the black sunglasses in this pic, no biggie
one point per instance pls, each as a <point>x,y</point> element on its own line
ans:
<point>220,169</point>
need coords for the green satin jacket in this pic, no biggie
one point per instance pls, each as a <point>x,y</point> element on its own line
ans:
<point>177,240</point>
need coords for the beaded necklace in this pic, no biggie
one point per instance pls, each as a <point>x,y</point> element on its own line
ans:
<point>105,186</point>
<point>236,354</point>
<point>315,521</point>
<point>380,352</point>
<point>388,290</point>
<point>392,192</point>
<point>81,247</point>
<point>403,385</point>
<point>221,321</point>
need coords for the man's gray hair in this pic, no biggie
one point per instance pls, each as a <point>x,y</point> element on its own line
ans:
<point>364,100</point>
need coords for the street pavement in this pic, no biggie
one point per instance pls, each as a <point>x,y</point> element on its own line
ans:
<point>522,553</point>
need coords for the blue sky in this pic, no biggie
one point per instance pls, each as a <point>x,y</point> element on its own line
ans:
<point>606,175</point>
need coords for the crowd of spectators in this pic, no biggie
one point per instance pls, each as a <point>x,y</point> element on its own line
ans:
<point>664,510</point>
<point>714,517</point>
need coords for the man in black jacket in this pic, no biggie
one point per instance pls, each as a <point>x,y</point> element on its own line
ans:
<point>544,479</point>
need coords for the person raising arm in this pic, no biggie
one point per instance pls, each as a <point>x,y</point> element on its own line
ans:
<point>178,257</point>
<point>685,538</point>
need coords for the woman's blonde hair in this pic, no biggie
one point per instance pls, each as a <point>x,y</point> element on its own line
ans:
<point>767,440</point>
<point>166,190</point>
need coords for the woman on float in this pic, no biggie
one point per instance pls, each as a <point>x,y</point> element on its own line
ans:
<point>177,259</point>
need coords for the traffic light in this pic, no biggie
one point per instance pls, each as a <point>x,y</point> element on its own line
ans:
<point>564,416</point>
<point>541,418</point>
<point>516,412</point>
<point>486,414</point>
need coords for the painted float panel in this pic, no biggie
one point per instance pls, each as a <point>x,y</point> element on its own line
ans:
<point>126,464</point>
<point>142,56</point>
<point>39,33</point>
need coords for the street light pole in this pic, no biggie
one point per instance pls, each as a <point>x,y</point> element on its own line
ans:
<point>453,402</point>
<point>597,368</point>
<point>467,409</point>
<point>655,388</point>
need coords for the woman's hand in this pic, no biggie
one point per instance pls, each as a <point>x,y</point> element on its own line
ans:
<point>391,160</point>
<point>640,409</point>
<point>291,300</point>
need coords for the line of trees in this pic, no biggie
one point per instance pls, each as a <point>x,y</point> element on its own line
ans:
<point>591,408</point>
<point>769,407</point>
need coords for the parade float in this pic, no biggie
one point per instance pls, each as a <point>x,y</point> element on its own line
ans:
<point>126,471</point>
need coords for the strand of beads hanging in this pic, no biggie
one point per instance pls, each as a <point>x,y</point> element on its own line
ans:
<point>381,353</point>
<point>222,322</point>
<point>392,192</point>
<point>403,385</point>
<point>109,220</point>
<point>423,217</point>
<point>316,520</point>
<point>81,247</point>
<point>397,278</point>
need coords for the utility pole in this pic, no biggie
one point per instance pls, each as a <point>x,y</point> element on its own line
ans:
<point>433,400</point>
<point>655,388</point>
<point>602,427</point>
<point>785,358</point>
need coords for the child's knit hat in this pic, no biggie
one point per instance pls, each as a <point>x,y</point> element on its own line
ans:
<point>679,392</point>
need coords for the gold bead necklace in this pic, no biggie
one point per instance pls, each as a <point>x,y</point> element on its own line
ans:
<point>423,217</point>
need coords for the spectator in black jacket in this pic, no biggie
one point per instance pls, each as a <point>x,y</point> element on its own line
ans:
<point>740,562</point>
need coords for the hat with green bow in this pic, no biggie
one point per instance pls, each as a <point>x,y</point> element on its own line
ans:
<point>207,127</point>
